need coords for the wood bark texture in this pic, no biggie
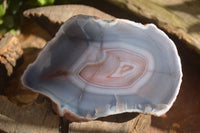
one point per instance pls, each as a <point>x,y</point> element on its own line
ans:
<point>51,17</point>
<point>61,13</point>
<point>35,118</point>
<point>10,51</point>
<point>139,124</point>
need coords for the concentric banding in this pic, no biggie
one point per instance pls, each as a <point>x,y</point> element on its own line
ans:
<point>72,68</point>
<point>141,72</point>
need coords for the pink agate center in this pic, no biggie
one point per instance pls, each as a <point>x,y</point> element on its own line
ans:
<point>119,68</point>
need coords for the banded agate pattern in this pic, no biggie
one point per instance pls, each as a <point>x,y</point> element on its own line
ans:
<point>94,68</point>
<point>118,68</point>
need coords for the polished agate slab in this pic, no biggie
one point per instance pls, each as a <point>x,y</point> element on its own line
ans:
<point>94,68</point>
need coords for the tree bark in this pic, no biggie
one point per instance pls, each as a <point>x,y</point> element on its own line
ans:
<point>51,17</point>
<point>35,118</point>
<point>138,124</point>
<point>10,51</point>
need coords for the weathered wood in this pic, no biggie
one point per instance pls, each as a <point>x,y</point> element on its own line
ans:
<point>33,35</point>
<point>15,91</point>
<point>138,124</point>
<point>59,14</point>
<point>178,17</point>
<point>51,17</point>
<point>32,39</point>
<point>10,51</point>
<point>35,118</point>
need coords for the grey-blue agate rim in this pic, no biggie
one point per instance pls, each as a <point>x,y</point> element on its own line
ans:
<point>75,48</point>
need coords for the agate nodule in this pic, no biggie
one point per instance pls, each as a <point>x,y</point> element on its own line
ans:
<point>94,68</point>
